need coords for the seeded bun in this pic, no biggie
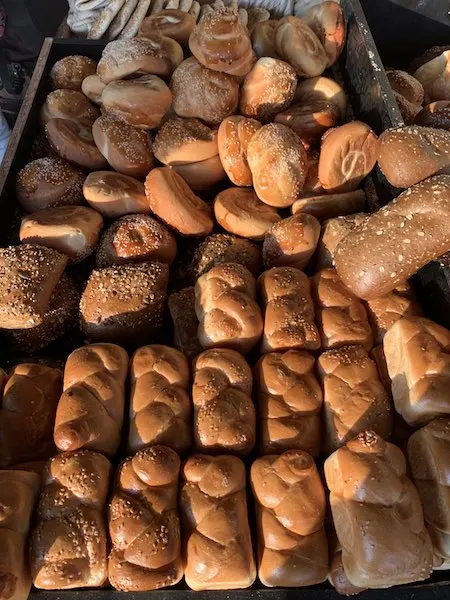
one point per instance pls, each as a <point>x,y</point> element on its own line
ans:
<point>69,72</point>
<point>68,104</point>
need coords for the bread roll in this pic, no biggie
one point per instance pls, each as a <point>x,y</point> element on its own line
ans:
<point>224,414</point>
<point>407,109</point>
<point>69,72</point>
<point>172,200</point>
<point>126,148</point>
<point>220,42</point>
<point>312,183</point>
<point>333,231</point>
<point>426,56</point>
<point>321,89</point>
<point>173,23</point>
<point>124,303</point>
<point>73,498</point>
<point>354,397</point>
<point>329,206</point>
<point>289,311</point>
<point>226,308</point>
<point>185,323</point>
<point>289,401</point>
<point>377,514</point>
<point>29,404</point>
<point>134,239</point>
<point>234,136</point>
<point>203,93</point>
<point>264,39</point>
<point>114,195</point>
<point>29,275</point>
<point>310,121</point>
<point>68,104</point>
<point>298,45</point>
<point>155,54</point>
<point>182,141</point>
<point>213,507</point>
<point>328,23</point>
<point>203,174</point>
<point>290,513</point>
<point>278,163</point>
<point>73,141</point>
<point>429,458</point>
<point>219,248</point>
<point>410,154</point>
<point>435,77</point>
<point>47,182</point>
<point>291,242</point>
<point>337,576</point>
<point>160,406</point>
<point>406,85</point>
<point>436,114</point>
<point>92,87</point>
<point>415,223</point>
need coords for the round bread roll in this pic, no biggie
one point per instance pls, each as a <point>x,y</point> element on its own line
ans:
<point>69,72</point>
<point>312,183</point>
<point>298,45</point>
<point>223,248</point>
<point>327,21</point>
<point>347,154</point>
<point>156,54</point>
<point>407,109</point>
<point>92,87</point>
<point>291,242</point>
<point>234,136</point>
<point>71,230</point>
<point>436,114</point>
<point>406,85</point>
<point>139,102</point>
<point>114,195</point>
<point>126,148</point>
<point>172,22</point>
<point>310,121</point>
<point>263,39</point>
<point>435,77</point>
<point>47,182</point>
<point>328,206</point>
<point>220,42</point>
<point>68,104</point>
<point>203,174</point>
<point>426,56</point>
<point>172,200</point>
<point>181,141</point>
<point>268,89</point>
<point>74,142</point>
<point>202,93</point>
<point>310,91</point>
<point>239,211</point>
<point>278,162</point>
<point>133,239</point>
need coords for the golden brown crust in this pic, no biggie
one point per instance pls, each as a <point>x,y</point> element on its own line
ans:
<point>173,23</point>
<point>298,45</point>
<point>73,142</point>
<point>114,194</point>
<point>310,121</point>
<point>328,23</point>
<point>234,135</point>
<point>68,104</point>
<point>69,72</point>
<point>291,242</point>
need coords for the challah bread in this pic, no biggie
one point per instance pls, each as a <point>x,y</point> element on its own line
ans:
<point>218,553</point>
<point>143,522</point>
<point>288,311</point>
<point>377,514</point>
<point>160,406</point>
<point>71,510</point>
<point>224,414</point>
<point>226,308</point>
<point>289,400</point>
<point>90,410</point>
<point>417,354</point>
<point>290,513</point>
<point>185,323</point>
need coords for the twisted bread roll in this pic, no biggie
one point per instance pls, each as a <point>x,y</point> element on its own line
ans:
<point>234,135</point>
<point>288,310</point>
<point>213,503</point>
<point>90,410</point>
<point>289,402</point>
<point>160,407</point>
<point>377,514</point>
<point>226,308</point>
<point>224,415</point>
<point>68,545</point>
<point>290,513</point>
<point>143,522</point>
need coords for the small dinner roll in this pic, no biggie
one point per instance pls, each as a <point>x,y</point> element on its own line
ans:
<point>327,21</point>
<point>203,174</point>
<point>263,39</point>
<point>69,72</point>
<point>435,77</point>
<point>310,121</point>
<point>328,206</point>
<point>73,141</point>
<point>309,91</point>
<point>182,141</point>
<point>113,194</point>
<point>92,87</point>
<point>291,242</point>
<point>222,248</point>
<point>68,104</point>
<point>234,136</point>
<point>172,22</point>
<point>298,45</point>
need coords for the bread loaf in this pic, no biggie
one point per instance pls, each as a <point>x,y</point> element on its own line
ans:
<point>290,513</point>
<point>354,399</point>
<point>224,415</point>
<point>333,231</point>
<point>291,242</point>
<point>226,308</point>
<point>185,322</point>
<point>377,514</point>
<point>289,400</point>
<point>288,311</point>
<point>160,407</point>
<point>416,224</point>
<point>417,354</point>
<point>218,552</point>
<point>143,522</point>
<point>71,506</point>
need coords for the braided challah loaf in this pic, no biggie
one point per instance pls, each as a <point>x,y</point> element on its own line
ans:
<point>213,503</point>
<point>68,545</point>
<point>289,402</point>
<point>377,514</point>
<point>290,507</point>
<point>90,410</point>
<point>160,408</point>
<point>143,522</point>
<point>226,308</point>
<point>224,414</point>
